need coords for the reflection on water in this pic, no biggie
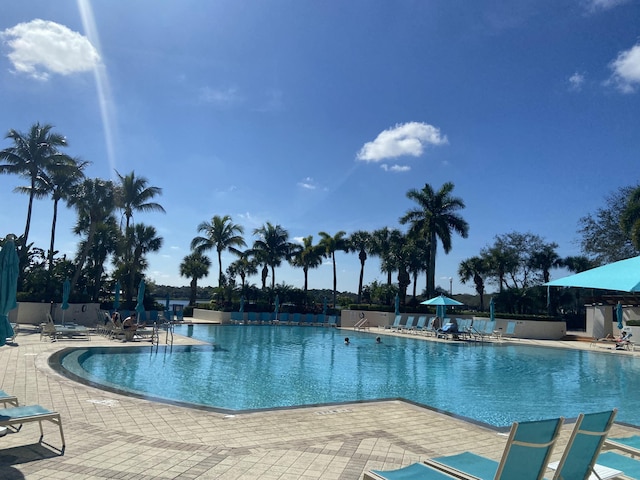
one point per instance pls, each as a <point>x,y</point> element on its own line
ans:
<point>253,367</point>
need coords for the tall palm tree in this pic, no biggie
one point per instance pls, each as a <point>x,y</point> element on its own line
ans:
<point>435,219</point>
<point>339,242</point>
<point>360,241</point>
<point>142,239</point>
<point>29,156</point>
<point>59,180</point>
<point>220,234</point>
<point>244,266</point>
<point>94,202</point>
<point>381,241</point>
<point>106,241</point>
<point>134,195</point>
<point>307,256</point>
<point>473,269</point>
<point>271,248</point>
<point>417,258</point>
<point>194,266</point>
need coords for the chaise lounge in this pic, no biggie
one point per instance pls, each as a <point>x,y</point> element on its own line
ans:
<point>15,417</point>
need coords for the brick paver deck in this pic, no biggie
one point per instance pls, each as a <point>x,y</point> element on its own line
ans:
<point>118,437</point>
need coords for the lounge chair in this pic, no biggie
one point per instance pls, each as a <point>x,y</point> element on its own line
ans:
<point>408,325</point>
<point>396,323</point>
<point>583,447</point>
<point>626,444</point>
<point>15,417</point>
<point>621,463</point>
<point>525,455</point>
<point>420,325</point>
<point>6,398</point>
<point>415,471</point>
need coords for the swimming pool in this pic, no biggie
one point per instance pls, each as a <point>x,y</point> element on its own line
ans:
<point>263,367</point>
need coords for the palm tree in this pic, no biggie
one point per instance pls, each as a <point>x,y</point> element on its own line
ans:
<point>360,242</point>
<point>271,248</point>
<point>577,264</point>
<point>381,241</point>
<point>339,242</point>
<point>307,256</point>
<point>473,269</point>
<point>134,195</point>
<point>142,239</point>
<point>107,240</point>
<point>195,266</point>
<point>545,259</point>
<point>222,234</point>
<point>244,266</point>
<point>59,180</point>
<point>417,258</point>
<point>29,156</point>
<point>94,202</point>
<point>435,219</point>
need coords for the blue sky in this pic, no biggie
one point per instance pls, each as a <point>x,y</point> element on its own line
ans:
<point>320,116</point>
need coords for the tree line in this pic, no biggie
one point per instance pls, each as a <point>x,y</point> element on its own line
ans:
<point>515,263</point>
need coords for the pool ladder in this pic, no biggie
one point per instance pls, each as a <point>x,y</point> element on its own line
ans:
<point>155,336</point>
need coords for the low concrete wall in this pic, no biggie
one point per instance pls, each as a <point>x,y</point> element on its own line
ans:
<point>211,315</point>
<point>32,313</point>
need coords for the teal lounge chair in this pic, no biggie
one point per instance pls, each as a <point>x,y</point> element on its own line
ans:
<point>587,438</point>
<point>420,326</point>
<point>626,444</point>
<point>407,326</point>
<point>629,466</point>
<point>396,323</point>
<point>10,417</point>
<point>6,398</point>
<point>525,455</point>
<point>416,471</point>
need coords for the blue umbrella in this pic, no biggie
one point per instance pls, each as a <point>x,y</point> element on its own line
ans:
<point>441,302</point>
<point>277,306</point>
<point>241,304</point>
<point>66,290</point>
<point>397,304</point>
<point>8,287</point>
<point>140,304</point>
<point>116,298</point>
<point>619,315</point>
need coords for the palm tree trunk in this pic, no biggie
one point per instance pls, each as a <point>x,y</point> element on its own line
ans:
<point>335,278</point>
<point>83,256</point>
<point>25,245</point>
<point>53,232</point>
<point>219,268</point>
<point>360,281</point>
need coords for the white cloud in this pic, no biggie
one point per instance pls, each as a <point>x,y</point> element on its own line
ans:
<point>626,70</point>
<point>598,5</point>
<point>220,97</point>
<point>395,168</point>
<point>308,183</point>
<point>403,139</point>
<point>576,81</point>
<point>41,47</point>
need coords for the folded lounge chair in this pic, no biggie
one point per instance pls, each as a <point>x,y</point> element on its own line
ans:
<point>15,417</point>
<point>525,455</point>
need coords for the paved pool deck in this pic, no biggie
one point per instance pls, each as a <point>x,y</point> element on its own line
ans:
<point>119,437</point>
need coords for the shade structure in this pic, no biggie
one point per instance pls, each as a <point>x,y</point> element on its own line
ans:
<point>241,310</point>
<point>397,304</point>
<point>441,303</point>
<point>116,297</point>
<point>66,290</point>
<point>8,287</point>
<point>619,315</point>
<point>140,304</point>
<point>623,276</point>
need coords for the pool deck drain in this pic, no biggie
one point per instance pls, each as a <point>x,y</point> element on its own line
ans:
<point>115,436</point>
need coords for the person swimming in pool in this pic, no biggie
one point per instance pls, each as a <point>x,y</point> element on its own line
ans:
<point>346,341</point>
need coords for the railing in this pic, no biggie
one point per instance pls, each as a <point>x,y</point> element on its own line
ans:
<point>361,324</point>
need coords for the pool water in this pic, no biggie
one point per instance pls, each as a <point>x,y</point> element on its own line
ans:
<point>263,367</point>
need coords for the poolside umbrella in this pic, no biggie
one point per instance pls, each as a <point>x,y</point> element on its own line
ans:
<point>140,304</point>
<point>241,310</point>
<point>66,290</point>
<point>619,315</point>
<point>443,302</point>
<point>397,304</point>
<point>8,287</point>
<point>116,298</point>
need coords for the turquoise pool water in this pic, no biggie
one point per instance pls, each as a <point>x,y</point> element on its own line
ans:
<point>263,367</point>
